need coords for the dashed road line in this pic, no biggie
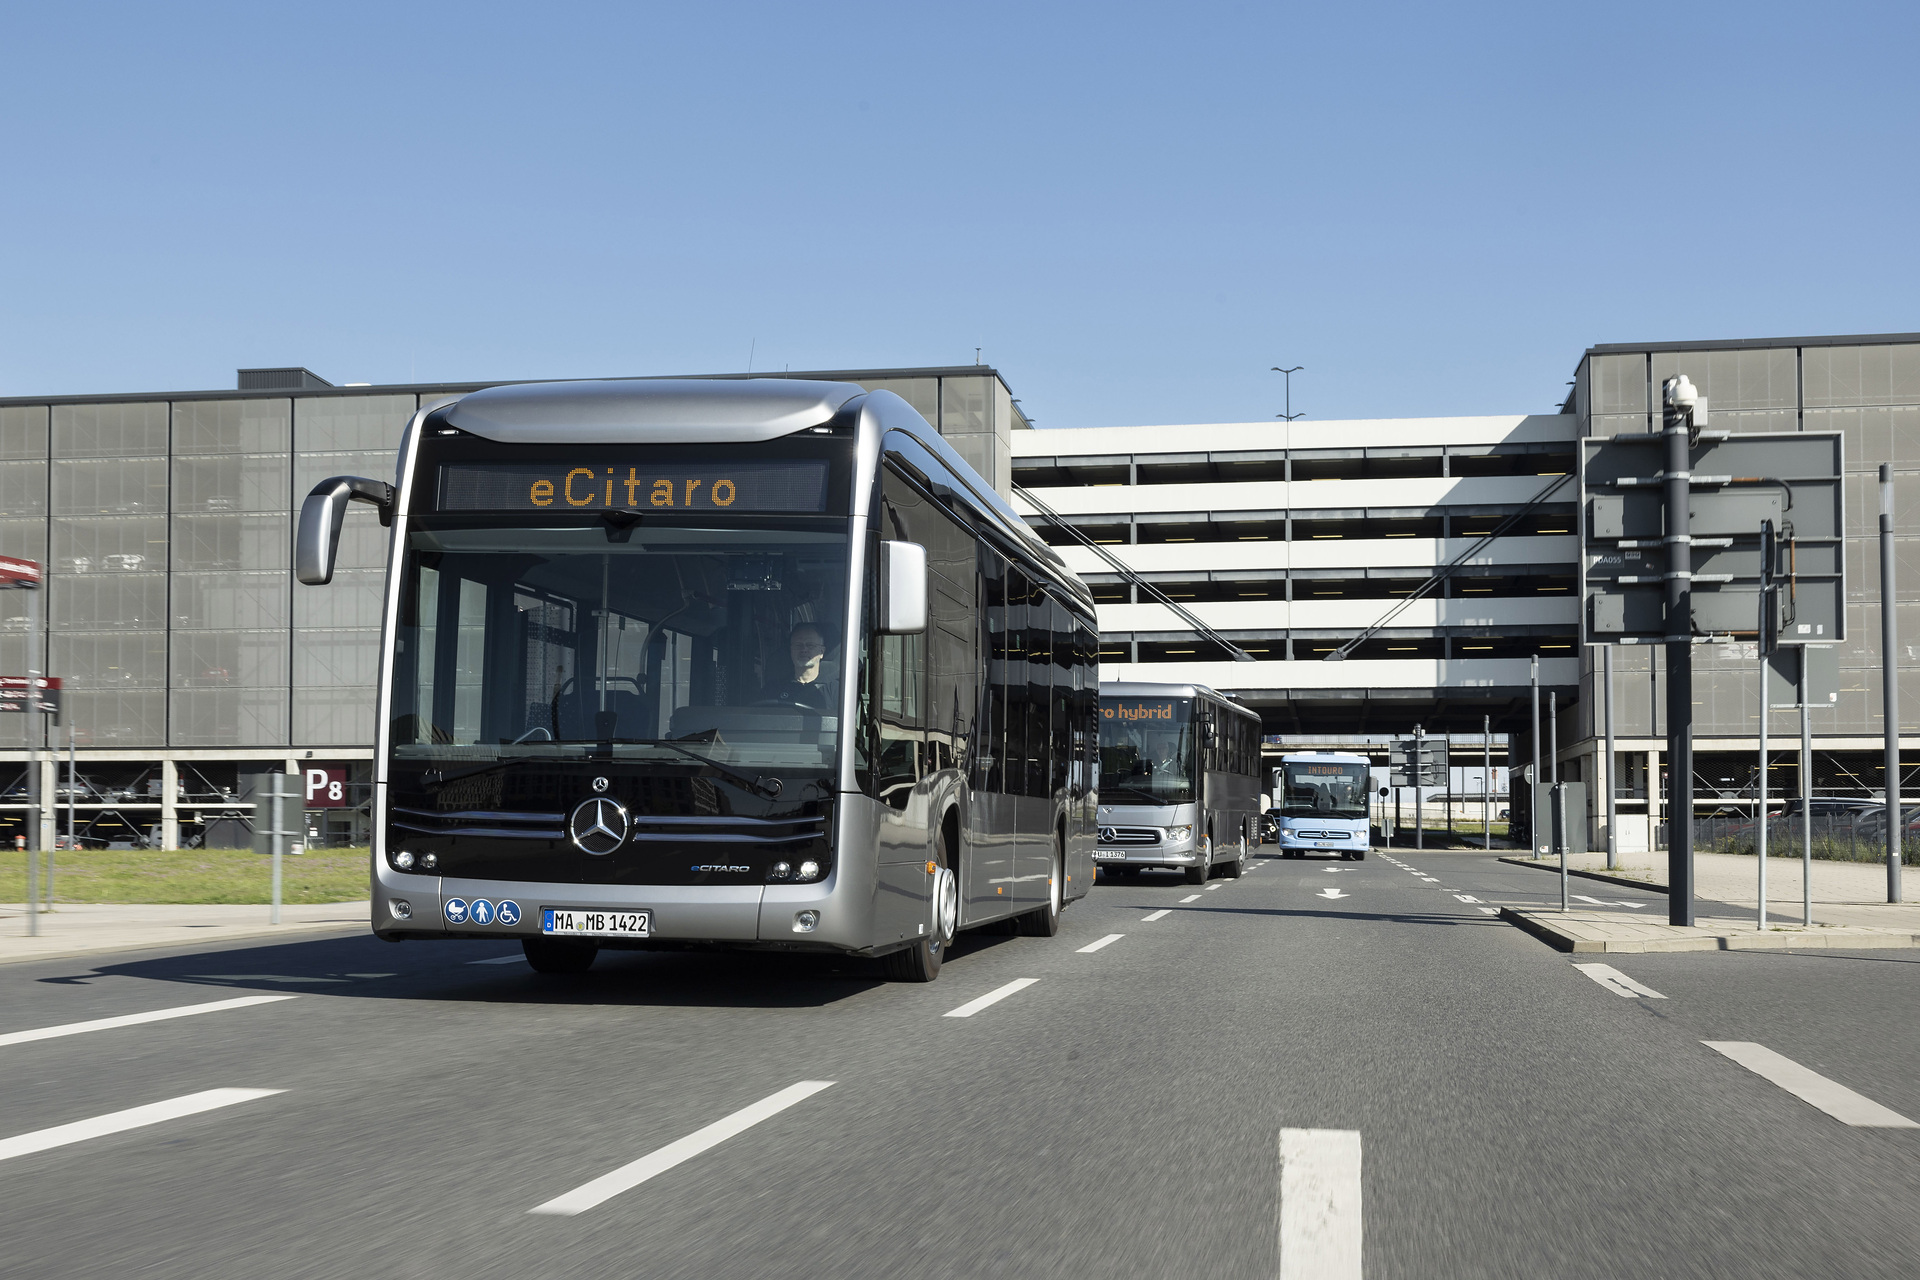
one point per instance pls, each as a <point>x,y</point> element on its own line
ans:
<point>1192,897</point>
<point>513,959</point>
<point>135,1019</point>
<point>1466,897</point>
<point>132,1118</point>
<point>1210,888</point>
<point>1617,982</point>
<point>1319,1204</point>
<point>1489,911</point>
<point>1164,911</point>
<point>629,1176</point>
<point>1109,940</point>
<point>1812,1088</point>
<point>994,996</point>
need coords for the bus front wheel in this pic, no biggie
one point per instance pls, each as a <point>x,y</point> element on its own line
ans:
<point>1198,873</point>
<point>921,961</point>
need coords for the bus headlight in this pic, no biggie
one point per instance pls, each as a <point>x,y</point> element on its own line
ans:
<point>780,871</point>
<point>1180,834</point>
<point>403,860</point>
<point>806,921</point>
<point>401,908</point>
<point>809,870</point>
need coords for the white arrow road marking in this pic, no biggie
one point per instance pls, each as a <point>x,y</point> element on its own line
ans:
<point>1467,897</point>
<point>994,996</point>
<point>134,1019</point>
<point>1490,911</point>
<point>1617,982</point>
<point>1637,905</point>
<point>1595,901</point>
<point>1319,1204</point>
<point>1332,893</point>
<point>1102,942</point>
<point>629,1176</point>
<point>132,1118</point>
<point>1832,1097</point>
<point>1164,911</point>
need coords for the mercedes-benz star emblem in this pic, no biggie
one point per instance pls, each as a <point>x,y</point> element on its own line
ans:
<point>599,784</point>
<point>1107,834</point>
<point>598,826</point>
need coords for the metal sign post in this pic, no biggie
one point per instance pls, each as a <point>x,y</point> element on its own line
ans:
<point>26,575</point>
<point>1486,779</point>
<point>1806,792</point>
<point>1613,787</point>
<point>1889,681</point>
<point>1765,652</point>
<point>1419,776</point>
<point>276,798</point>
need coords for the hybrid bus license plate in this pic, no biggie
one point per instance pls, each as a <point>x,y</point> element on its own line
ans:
<point>1109,853</point>
<point>574,922</point>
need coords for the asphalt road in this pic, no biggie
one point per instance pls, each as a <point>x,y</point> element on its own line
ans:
<point>1118,1116</point>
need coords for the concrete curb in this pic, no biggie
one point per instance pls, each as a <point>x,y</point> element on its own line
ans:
<point>1621,881</point>
<point>146,937</point>
<point>1713,935</point>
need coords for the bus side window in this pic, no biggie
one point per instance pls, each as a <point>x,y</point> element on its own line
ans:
<point>990,745</point>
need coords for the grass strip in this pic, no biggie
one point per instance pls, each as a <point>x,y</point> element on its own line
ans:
<point>195,876</point>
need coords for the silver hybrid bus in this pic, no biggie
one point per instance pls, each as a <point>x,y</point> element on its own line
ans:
<point>1179,780</point>
<point>732,663</point>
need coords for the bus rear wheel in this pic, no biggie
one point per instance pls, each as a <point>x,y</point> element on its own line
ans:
<point>1044,921</point>
<point>559,955</point>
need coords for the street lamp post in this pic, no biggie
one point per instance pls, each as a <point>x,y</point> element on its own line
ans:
<point>1289,415</point>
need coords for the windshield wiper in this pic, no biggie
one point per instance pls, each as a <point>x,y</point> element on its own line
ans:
<point>768,787</point>
<point>440,777</point>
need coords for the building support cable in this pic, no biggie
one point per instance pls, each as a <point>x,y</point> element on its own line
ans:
<point>1059,522</point>
<point>1445,571</point>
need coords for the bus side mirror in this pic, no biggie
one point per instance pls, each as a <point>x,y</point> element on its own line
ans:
<point>903,588</point>
<point>317,544</point>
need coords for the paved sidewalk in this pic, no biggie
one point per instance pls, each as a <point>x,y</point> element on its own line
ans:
<point>1844,893</point>
<point>1607,931</point>
<point>79,929</point>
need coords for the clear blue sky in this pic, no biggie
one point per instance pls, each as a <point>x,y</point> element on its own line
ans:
<point>1134,210</point>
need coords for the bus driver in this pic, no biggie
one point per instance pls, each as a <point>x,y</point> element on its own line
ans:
<point>806,647</point>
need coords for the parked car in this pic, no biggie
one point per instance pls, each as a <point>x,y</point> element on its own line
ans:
<point>1269,829</point>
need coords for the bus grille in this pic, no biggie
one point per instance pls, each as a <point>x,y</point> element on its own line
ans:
<point>652,828</point>
<point>1129,835</point>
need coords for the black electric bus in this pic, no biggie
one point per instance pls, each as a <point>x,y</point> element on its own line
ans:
<point>737,663</point>
<point>1179,780</point>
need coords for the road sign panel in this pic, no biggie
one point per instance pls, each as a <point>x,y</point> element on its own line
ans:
<point>1739,483</point>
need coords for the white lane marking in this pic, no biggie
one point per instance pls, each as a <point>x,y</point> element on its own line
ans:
<point>1109,940</point>
<point>1830,1096</point>
<point>132,1118</point>
<point>1467,897</point>
<point>1637,905</point>
<point>994,996</point>
<point>629,1176</point>
<point>1332,893</point>
<point>1192,897</point>
<point>1617,982</point>
<point>1595,901</point>
<point>1210,888</point>
<point>1164,911</point>
<point>1491,911</point>
<point>135,1019</point>
<point>513,959</point>
<point>1319,1204</point>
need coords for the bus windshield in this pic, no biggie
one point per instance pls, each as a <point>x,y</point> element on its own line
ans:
<point>520,640</point>
<point>1335,789</point>
<point>1146,751</point>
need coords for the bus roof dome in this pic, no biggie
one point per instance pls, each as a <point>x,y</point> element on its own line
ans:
<point>648,410</point>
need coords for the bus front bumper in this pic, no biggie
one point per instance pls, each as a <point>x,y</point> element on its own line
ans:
<point>746,915</point>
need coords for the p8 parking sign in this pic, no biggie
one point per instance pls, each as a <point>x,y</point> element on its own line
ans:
<point>326,786</point>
